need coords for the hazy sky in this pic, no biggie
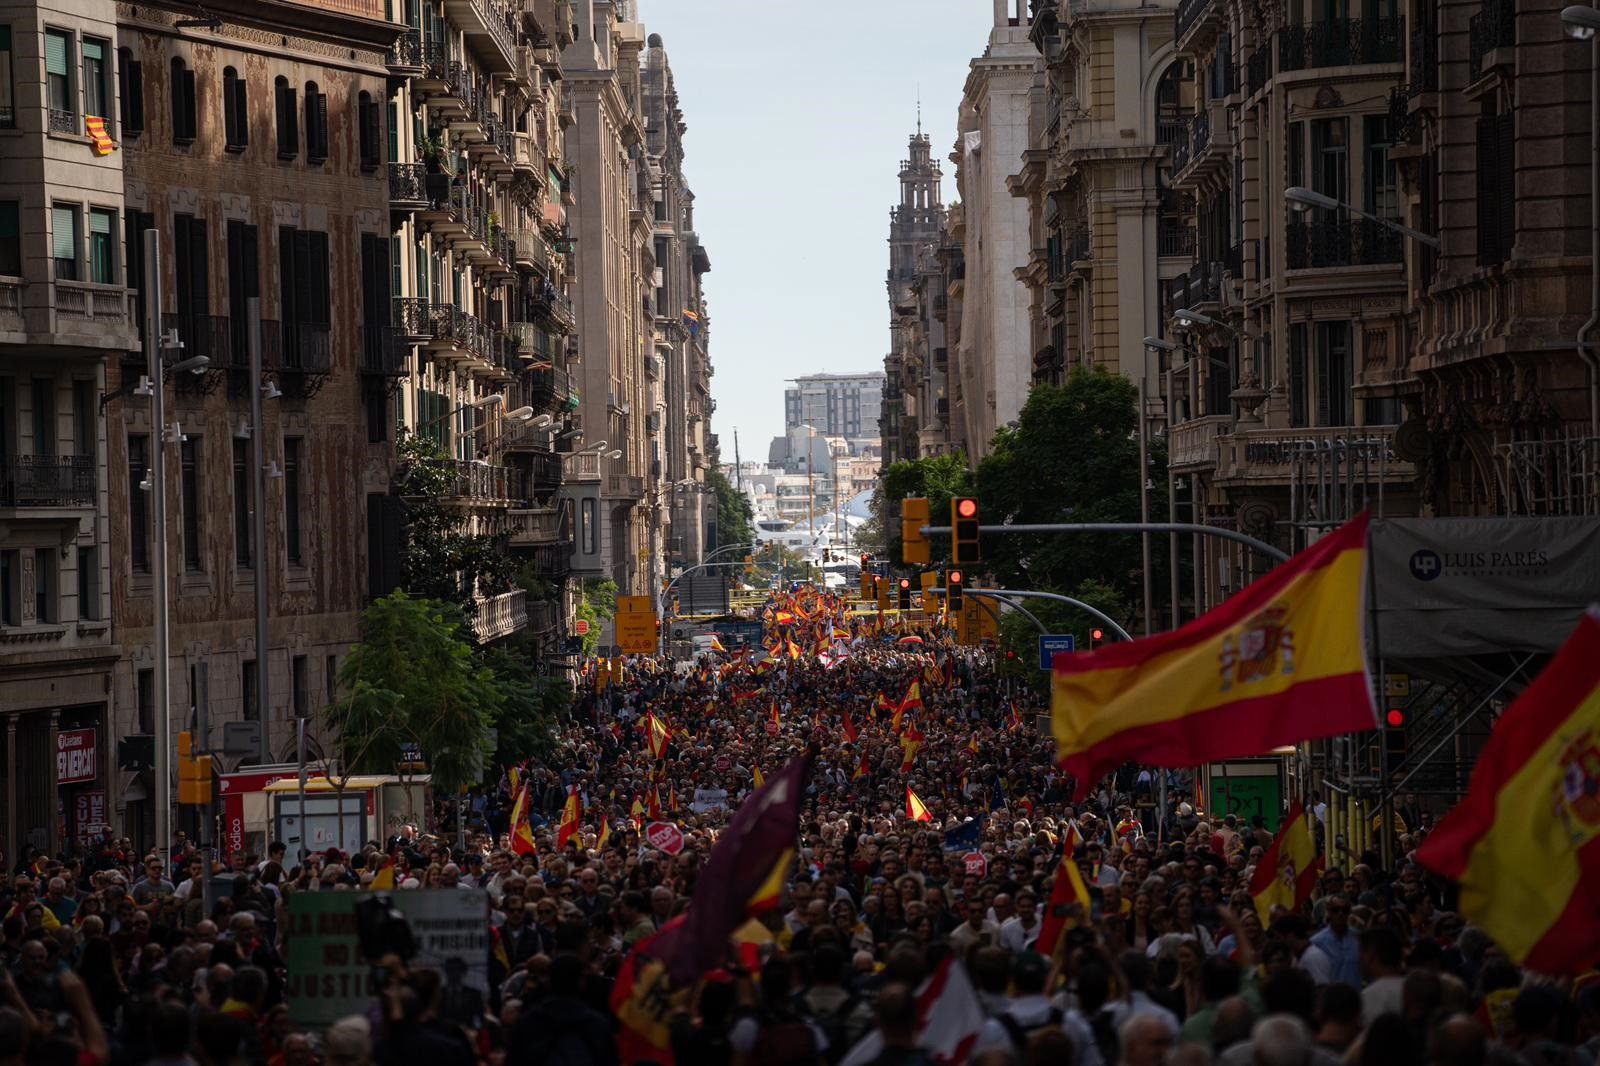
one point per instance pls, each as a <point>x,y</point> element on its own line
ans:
<point>798,113</point>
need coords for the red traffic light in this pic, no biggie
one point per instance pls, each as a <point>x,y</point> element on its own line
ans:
<point>955,577</point>
<point>1396,717</point>
<point>1097,634</point>
<point>905,583</point>
<point>967,508</point>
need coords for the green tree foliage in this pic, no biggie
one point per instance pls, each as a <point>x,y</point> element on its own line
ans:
<point>414,679</point>
<point>1019,640</point>
<point>443,559</point>
<point>734,516</point>
<point>598,604</point>
<point>937,477</point>
<point>530,704</point>
<point>1071,456</point>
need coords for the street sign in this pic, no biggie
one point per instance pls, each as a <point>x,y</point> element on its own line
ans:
<point>634,605</point>
<point>975,863</point>
<point>664,836</point>
<point>636,630</point>
<point>1052,643</point>
<point>581,627</point>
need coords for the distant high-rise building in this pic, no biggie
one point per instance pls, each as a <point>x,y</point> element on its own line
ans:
<point>836,405</point>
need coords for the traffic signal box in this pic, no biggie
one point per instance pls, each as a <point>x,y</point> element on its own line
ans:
<point>905,594</point>
<point>883,593</point>
<point>964,530</point>
<point>953,584</point>
<point>866,576</point>
<point>930,602</point>
<point>194,772</point>
<point>914,515</point>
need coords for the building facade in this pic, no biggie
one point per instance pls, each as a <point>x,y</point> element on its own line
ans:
<point>836,405</point>
<point>66,322</point>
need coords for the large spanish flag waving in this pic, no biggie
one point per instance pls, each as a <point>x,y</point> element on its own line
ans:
<point>1525,843</point>
<point>1288,871</point>
<point>1280,662</point>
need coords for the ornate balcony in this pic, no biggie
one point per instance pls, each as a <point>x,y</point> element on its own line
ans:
<point>475,483</point>
<point>383,352</point>
<point>84,301</point>
<point>1194,443</point>
<point>1340,43</point>
<point>307,356</point>
<point>408,186</point>
<point>10,305</point>
<point>47,481</point>
<point>1342,243</point>
<point>1190,13</point>
<point>1271,455</point>
<point>494,617</point>
<point>1493,27</point>
<point>624,487</point>
<point>412,320</point>
<point>489,30</point>
<point>580,467</point>
<point>406,54</point>
<point>532,526</point>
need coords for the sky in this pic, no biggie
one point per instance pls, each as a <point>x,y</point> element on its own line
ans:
<point>797,114</point>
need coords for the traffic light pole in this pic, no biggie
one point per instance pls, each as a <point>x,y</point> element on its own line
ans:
<point>1004,596</point>
<point>1276,554</point>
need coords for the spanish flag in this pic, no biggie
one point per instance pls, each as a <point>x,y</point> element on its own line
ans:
<point>716,646</point>
<point>570,814</point>
<point>760,778</point>
<point>916,810</point>
<point>1525,842</point>
<point>912,698</point>
<point>1289,869</point>
<point>658,735</point>
<point>1280,662</point>
<point>1068,890</point>
<point>383,880</point>
<point>850,732</point>
<point>863,768</point>
<point>521,825</point>
<point>972,744</point>
<point>605,833</point>
<point>770,894</point>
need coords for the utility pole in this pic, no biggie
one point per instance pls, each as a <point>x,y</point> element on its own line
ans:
<point>258,457</point>
<point>158,568</point>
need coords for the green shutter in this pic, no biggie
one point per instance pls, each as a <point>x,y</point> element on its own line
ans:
<point>100,222</point>
<point>394,132</point>
<point>55,53</point>
<point>64,233</point>
<point>93,49</point>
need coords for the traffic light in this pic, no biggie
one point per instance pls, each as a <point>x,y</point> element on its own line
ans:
<point>964,530</point>
<point>883,593</point>
<point>905,594</point>
<point>194,772</point>
<point>952,592</point>
<point>913,516</point>
<point>1097,637</point>
<point>1394,737</point>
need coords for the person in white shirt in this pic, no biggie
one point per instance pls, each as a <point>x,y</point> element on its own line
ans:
<point>1292,930</point>
<point>1021,931</point>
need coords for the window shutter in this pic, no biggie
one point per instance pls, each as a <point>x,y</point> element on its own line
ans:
<point>371,133</point>
<point>1324,357</point>
<point>394,133</point>
<point>190,113</point>
<point>302,276</point>
<point>55,54</point>
<point>63,233</point>
<point>287,309</point>
<point>241,113</point>
<point>135,98</point>
<point>322,125</point>
<point>319,278</point>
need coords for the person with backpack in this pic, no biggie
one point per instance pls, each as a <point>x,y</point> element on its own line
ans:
<point>1029,1010</point>
<point>840,1013</point>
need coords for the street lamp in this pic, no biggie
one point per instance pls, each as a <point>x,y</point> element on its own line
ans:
<point>1583,23</point>
<point>1303,199</point>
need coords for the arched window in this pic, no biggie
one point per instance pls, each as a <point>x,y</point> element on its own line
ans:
<point>184,121</point>
<point>288,118</point>
<point>316,125</point>
<point>1170,125</point>
<point>235,111</point>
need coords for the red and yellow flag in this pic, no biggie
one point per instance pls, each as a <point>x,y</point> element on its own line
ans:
<point>850,732</point>
<point>383,880</point>
<point>1280,662</point>
<point>1067,890</point>
<point>759,778</point>
<point>716,646</point>
<point>863,768</point>
<point>604,836</point>
<point>521,826</point>
<point>1289,869</point>
<point>570,815</point>
<point>1525,842</point>
<point>916,810</point>
<point>770,894</point>
<point>658,735</point>
<point>912,698</point>
<point>99,139</point>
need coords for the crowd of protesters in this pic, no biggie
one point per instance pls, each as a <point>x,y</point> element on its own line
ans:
<point>117,957</point>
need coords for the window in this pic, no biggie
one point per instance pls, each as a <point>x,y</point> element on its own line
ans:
<point>247,682</point>
<point>102,246</point>
<point>370,134</point>
<point>191,474</point>
<point>1297,374</point>
<point>10,588</point>
<point>59,94</point>
<point>44,416</point>
<point>292,447</point>
<point>145,699</point>
<point>44,585</point>
<point>85,411</point>
<point>130,89</point>
<point>64,240</point>
<point>184,118</point>
<point>235,111</point>
<point>316,124</point>
<point>1335,375</point>
<point>394,132</point>
<point>1330,158</point>
<point>138,503</point>
<point>10,239</point>
<point>190,255</point>
<point>288,122</point>
<point>88,584</point>
<point>330,681</point>
<point>590,525</point>
<point>94,78</point>
<point>298,690</point>
<point>1380,195</point>
<point>8,92</point>
<point>1381,411</point>
<point>242,492</point>
<point>244,281</point>
<point>1496,188</point>
<point>304,297</point>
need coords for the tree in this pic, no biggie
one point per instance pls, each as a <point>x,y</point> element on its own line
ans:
<point>598,603</point>
<point>530,705</point>
<point>936,477</point>
<point>733,510</point>
<point>444,560</point>
<point>1019,640</point>
<point>1071,456</point>
<point>413,679</point>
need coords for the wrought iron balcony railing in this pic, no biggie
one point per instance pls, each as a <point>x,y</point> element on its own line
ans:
<point>47,481</point>
<point>1342,243</point>
<point>1340,43</point>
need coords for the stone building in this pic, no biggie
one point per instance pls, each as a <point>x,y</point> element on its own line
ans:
<point>253,149</point>
<point>992,360</point>
<point>66,322</point>
<point>613,225</point>
<point>679,370</point>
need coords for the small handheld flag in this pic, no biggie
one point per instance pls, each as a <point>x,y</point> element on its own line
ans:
<point>916,810</point>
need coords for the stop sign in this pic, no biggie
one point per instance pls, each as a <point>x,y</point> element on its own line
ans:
<point>581,627</point>
<point>974,863</point>
<point>664,836</point>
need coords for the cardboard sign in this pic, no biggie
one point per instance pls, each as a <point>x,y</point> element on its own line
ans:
<point>974,863</point>
<point>75,756</point>
<point>664,836</point>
